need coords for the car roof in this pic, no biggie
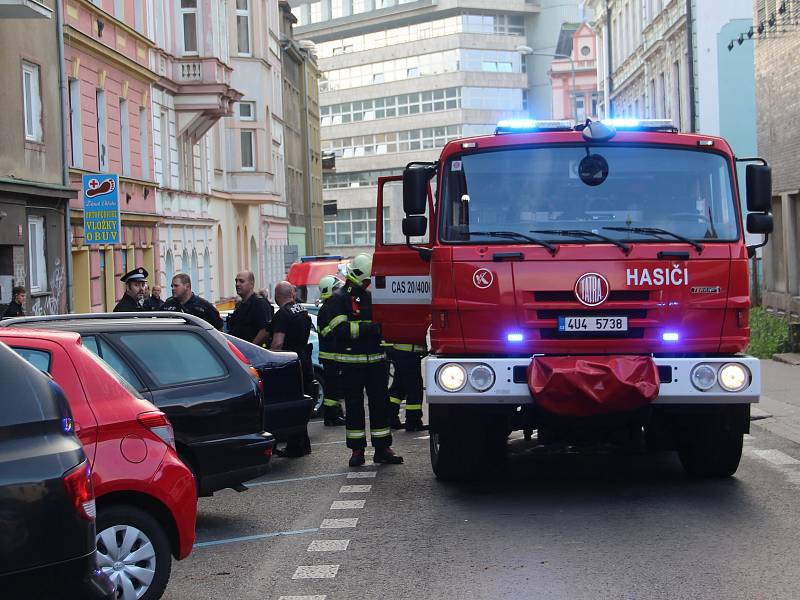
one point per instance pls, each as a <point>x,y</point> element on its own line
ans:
<point>108,321</point>
<point>68,337</point>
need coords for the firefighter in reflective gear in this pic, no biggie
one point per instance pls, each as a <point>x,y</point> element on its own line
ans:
<point>406,385</point>
<point>332,401</point>
<point>356,343</point>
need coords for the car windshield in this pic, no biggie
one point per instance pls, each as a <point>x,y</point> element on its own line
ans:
<point>539,192</point>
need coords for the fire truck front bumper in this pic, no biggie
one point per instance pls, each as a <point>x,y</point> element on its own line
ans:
<point>717,380</point>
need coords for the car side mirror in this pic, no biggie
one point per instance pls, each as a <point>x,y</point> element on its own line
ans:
<point>415,187</point>
<point>759,223</point>
<point>759,189</point>
<point>415,226</point>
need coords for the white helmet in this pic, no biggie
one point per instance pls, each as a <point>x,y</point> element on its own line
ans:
<point>360,269</point>
<point>327,285</point>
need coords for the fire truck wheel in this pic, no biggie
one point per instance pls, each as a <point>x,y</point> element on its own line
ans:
<point>447,456</point>
<point>713,452</point>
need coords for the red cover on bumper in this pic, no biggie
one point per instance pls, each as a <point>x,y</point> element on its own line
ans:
<point>581,386</point>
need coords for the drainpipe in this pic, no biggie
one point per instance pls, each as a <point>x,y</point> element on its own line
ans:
<point>690,59</point>
<point>62,85</point>
<point>609,66</point>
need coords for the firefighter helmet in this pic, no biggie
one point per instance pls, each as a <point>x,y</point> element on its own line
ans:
<point>359,269</point>
<point>327,285</point>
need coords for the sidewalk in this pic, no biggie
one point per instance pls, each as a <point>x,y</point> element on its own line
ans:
<point>779,409</point>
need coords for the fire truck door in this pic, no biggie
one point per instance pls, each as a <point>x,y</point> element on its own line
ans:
<point>401,289</point>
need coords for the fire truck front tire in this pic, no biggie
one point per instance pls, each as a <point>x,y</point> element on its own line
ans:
<point>714,451</point>
<point>451,457</point>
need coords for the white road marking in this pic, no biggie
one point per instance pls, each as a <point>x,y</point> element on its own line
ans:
<point>259,536</point>
<point>776,457</point>
<point>306,478</point>
<point>338,523</point>
<point>347,504</point>
<point>303,597</point>
<point>328,545</point>
<point>423,437</point>
<point>316,572</point>
<point>329,443</point>
<point>361,474</point>
<point>354,489</point>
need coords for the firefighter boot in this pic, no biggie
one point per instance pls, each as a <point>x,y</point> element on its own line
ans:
<point>386,456</point>
<point>357,459</point>
<point>415,424</point>
<point>332,416</point>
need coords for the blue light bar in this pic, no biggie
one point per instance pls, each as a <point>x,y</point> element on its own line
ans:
<point>640,124</point>
<point>670,336</point>
<point>515,337</point>
<point>530,125</point>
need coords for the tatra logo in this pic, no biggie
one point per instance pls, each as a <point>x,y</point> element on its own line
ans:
<point>675,275</point>
<point>592,289</point>
<point>482,278</point>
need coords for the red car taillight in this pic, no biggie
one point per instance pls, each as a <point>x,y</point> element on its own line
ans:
<point>253,370</point>
<point>78,483</point>
<point>157,422</point>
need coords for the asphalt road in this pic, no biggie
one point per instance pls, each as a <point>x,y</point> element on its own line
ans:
<point>549,526</point>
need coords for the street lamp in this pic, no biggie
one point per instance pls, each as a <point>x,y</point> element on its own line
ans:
<point>528,51</point>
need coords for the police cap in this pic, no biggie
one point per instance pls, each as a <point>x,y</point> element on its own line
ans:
<point>137,274</point>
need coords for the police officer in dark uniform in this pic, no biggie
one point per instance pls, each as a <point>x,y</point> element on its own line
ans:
<point>357,343</point>
<point>291,327</point>
<point>332,402</point>
<point>135,281</point>
<point>406,385</point>
<point>185,301</point>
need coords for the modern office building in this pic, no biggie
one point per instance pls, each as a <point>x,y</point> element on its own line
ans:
<point>400,78</point>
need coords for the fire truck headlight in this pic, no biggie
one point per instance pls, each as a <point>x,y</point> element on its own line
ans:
<point>734,377</point>
<point>704,377</point>
<point>452,377</point>
<point>481,377</point>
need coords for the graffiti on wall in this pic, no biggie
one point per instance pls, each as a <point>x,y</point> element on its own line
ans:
<point>51,305</point>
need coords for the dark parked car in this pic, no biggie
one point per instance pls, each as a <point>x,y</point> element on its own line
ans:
<point>47,503</point>
<point>286,409</point>
<point>188,370</point>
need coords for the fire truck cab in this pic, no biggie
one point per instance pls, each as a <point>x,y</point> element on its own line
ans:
<point>587,282</point>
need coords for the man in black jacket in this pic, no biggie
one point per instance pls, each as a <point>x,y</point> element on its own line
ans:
<point>185,301</point>
<point>250,320</point>
<point>357,345</point>
<point>14,308</point>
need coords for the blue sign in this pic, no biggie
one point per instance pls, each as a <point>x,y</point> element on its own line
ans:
<point>101,209</point>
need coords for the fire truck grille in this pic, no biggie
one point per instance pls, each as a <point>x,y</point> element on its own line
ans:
<point>614,296</point>
<point>635,313</point>
<point>555,334</point>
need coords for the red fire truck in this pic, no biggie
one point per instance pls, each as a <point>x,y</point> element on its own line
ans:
<point>305,275</point>
<point>588,282</point>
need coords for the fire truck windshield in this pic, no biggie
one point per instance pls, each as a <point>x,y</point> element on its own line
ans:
<point>686,193</point>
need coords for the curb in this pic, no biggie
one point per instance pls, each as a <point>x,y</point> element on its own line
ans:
<point>789,358</point>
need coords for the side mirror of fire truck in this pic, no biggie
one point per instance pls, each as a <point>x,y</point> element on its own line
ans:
<point>759,188</point>
<point>415,187</point>
<point>415,226</point>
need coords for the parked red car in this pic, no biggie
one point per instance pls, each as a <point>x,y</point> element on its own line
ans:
<point>146,497</point>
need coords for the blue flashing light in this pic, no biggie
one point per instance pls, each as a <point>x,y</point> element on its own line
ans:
<point>515,337</point>
<point>529,125</point>
<point>623,123</point>
<point>517,124</point>
<point>670,336</point>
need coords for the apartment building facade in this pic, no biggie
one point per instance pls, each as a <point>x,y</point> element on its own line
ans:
<point>400,78</point>
<point>777,70</point>
<point>192,94</point>
<point>573,73</point>
<point>247,196</point>
<point>34,196</point>
<point>107,61</point>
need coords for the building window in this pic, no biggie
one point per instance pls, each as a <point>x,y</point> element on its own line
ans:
<point>166,162</point>
<point>676,90</point>
<point>119,10</point>
<point>247,111</point>
<point>138,15</point>
<point>37,264</point>
<point>32,100</point>
<point>580,108</point>
<point>143,145</point>
<point>248,141</point>
<point>243,26</point>
<point>125,136</point>
<point>75,137</point>
<point>353,226</point>
<point>102,130</point>
<point>189,22</point>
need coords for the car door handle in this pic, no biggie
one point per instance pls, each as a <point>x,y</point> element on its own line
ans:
<point>501,256</point>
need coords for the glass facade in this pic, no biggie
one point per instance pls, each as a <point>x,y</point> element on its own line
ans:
<point>393,141</point>
<point>469,23</point>
<point>353,227</point>
<point>391,106</point>
<point>450,61</point>
<point>355,179</point>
